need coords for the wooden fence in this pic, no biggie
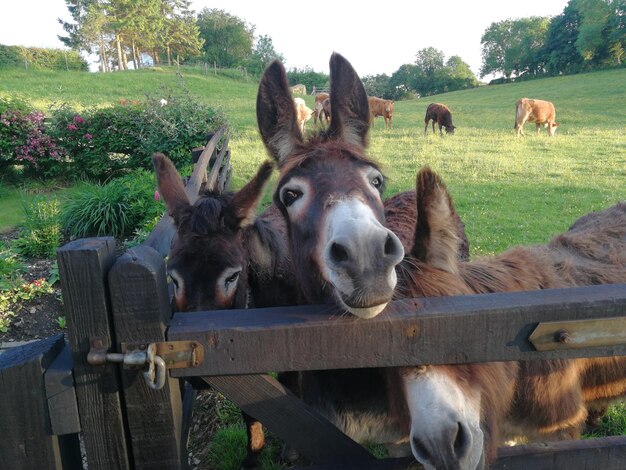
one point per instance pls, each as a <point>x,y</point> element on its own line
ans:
<point>121,304</point>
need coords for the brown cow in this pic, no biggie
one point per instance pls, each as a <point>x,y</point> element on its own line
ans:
<point>319,111</point>
<point>440,114</point>
<point>538,111</point>
<point>380,107</point>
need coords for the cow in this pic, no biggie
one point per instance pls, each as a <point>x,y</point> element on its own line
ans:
<point>381,107</point>
<point>440,114</point>
<point>320,111</point>
<point>538,111</point>
<point>299,89</point>
<point>303,113</point>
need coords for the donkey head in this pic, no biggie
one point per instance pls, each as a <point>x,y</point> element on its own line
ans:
<point>330,195</point>
<point>208,259</point>
<point>455,411</point>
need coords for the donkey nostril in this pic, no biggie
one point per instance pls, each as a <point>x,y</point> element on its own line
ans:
<point>391,247</point>
<point>338,253</point>
<point>460,442</point>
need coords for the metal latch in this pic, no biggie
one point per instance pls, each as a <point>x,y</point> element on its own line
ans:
<point>158,357</point>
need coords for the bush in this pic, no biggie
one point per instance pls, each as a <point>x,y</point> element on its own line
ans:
<point>41,233</point>
<point>23,139</point>
<point>117,208</point>
<point>101,143</point>
<point>11,268</point>
<point>53,59</point>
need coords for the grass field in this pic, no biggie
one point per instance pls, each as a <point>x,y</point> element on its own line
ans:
<point>508,190</point>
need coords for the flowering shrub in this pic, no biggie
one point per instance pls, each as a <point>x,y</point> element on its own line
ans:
<point>23,140</point>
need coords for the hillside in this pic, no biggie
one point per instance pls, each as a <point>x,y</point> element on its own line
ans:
<point>508,190</point>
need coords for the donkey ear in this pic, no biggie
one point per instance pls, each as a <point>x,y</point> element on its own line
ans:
<point>350,112</point>
<point>436,241</point>
<point>276,114</point>
<point>247,198</point>
<point>170,186</point>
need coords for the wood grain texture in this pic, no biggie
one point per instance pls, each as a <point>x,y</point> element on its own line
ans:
<point>443,330</point>
<point>140,306</point>
<point>26,439</point>
<point>297,424</point>
<point>83,268</point>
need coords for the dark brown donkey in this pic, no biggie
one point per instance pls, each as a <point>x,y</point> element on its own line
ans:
<point>459,414</point>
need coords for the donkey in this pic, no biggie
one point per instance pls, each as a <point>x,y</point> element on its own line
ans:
<point>459,414</point>
<point>224,257</point>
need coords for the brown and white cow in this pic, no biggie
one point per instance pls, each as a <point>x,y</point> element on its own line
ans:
<point>319,111</point>
<point>440,114</point>
<point>380,107</point>
<point>538,111</point>
<point>303,112</point>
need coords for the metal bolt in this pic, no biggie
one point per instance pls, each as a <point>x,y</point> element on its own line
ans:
<point>562,336</point>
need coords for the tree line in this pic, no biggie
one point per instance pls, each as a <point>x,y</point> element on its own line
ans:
<point>587,35</point>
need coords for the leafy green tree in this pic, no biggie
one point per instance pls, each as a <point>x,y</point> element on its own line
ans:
<point>378,85</point>
<point>262,55</point>
<point>514,47</point>
<point>560,52</point>
<point>460,75</point>
<point>228,39</point>
<point>181,31</point>
<point>308,77</point>
<point>404,81</point>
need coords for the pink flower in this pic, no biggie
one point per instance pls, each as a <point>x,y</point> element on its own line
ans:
<point>157,196</point>
<point>88,136</point>
<point>72,127</point>
<point>78,119</point>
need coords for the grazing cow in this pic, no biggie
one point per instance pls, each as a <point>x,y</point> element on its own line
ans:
<point>380,107</point>
<point>299,89</point>
<point>320,111</point>
<point>440,114</point>
<point>460,414</point>
<point>538,111</point>
<point>303,113</point>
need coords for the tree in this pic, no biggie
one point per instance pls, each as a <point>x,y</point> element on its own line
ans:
<point>460,75</point>
<point>560,52</point>
<point>227,39</point>
<point>262,55</point>
<point>513,47</point>
<point>181,32</point>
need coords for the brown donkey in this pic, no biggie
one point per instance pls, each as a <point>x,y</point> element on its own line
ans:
<point>459,414</point>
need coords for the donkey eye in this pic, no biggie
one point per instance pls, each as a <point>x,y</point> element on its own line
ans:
<point>377,182</point>
<point>232,278</point>
<point>289,196</point>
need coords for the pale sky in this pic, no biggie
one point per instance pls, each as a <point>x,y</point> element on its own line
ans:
<point>376,37</point>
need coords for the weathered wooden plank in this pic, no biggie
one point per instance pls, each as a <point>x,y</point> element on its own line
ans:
<point>607,453</point>
<point>443,330</point>
<point>195,182</point>
<point>161,236</point>
<point>140,306</point>
<point>26,441</point>
<point>83,268</point>
<point>297,424</point>
<point>61,395</point>
<point>579,334</point>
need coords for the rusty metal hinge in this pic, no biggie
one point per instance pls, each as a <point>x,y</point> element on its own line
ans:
<point>157,357</point>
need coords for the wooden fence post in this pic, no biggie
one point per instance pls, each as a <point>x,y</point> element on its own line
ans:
<point>83,269</point>
<point>140,305</point>
<point>26,440</point>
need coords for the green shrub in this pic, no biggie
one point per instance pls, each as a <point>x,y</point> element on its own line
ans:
<point>23,139</point>
<point>103,142</point>
<point>116,208</point>
<point>11,268</point>
<point>54,59</point>
<point>41,233</point>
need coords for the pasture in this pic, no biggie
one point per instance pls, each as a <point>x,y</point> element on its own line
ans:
<point>508,190</point>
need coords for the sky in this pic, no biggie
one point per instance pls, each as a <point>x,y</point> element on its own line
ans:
<point>376,39</point>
